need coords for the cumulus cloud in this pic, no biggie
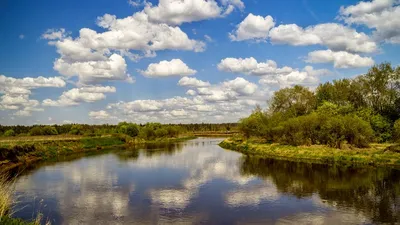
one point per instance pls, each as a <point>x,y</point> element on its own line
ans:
<point>77,95</point>
<point>335,36</point>
<point>99,115</point>
<point>113,68</point>
<point>381,15</point>
<point>54,34</point>
<point>175,67</point>
<point>253,27</point>
<point>250,66</point>
<point>16,92</point>
<point>176,12</point>
<point>308,76</point>
<point>192,82</point>
<point>339,59</point>
<point>225,101</point>
<point>98,56</point>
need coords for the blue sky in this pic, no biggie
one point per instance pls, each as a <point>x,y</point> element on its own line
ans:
<point>179,61</point>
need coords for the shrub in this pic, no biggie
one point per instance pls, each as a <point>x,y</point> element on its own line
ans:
<point>36,131</point>
<point>49,130</point>
<point>161,132</point>
<point>76,129</point>
<point>357,131</point>
<point>253,125</point>
<point>9,133</point>
<point>381,127</point>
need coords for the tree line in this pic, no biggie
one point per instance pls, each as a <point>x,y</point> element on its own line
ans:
<point>147,131</point>
<point>355,111</point>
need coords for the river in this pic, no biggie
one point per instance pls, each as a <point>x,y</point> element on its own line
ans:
<point>197,182</point>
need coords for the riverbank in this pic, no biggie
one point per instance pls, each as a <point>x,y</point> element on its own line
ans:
<point>18,151</point>
<point>375,155</point>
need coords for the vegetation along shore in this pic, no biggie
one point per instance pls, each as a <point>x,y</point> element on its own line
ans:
<point>25,144</point>
<point>345,121</point>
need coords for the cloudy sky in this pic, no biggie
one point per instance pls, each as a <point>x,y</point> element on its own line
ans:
<point>179,61</point>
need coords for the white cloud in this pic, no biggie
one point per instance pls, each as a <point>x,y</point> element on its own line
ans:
<point>339,59</point>
<point>192,82</point>
<point>208,38</point>
<point>250,66</point>
<point>176,12</point>
<point>113,68</point>
<point>381,15</point>
<point>30,82</point>
<point>99,115</point>
<point>21,36</point>
<point>307,77</point>
<point>225,101</point>
<point>77,95</point>
<point>54,34</point>
<point>253,28</point>
<point>16,92</point>
<point>366,7</point>
<point>241,86</point>
<point>97,56</point>
<point>335,36</point>
<point>191,92</point>
<point>175,67</point>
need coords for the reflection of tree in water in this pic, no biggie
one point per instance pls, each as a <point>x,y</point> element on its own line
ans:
<point>149,150</point>
<point>376,192</point>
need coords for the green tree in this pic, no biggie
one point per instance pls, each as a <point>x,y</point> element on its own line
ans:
<point>9,133</point>
<point>292,102</point>
<point>76,129</point>
<point>36,131</point>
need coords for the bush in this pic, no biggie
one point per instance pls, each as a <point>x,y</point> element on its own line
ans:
<point>381,127</point>
<point>396,131</point>
<point>161,132</point>
<point>333,132</point>
<point>129,129</point>
<point>76,129</point>
<point>357,131</point>
<point>47,130</point>
<point>253,125</point>
<point>9,133</point>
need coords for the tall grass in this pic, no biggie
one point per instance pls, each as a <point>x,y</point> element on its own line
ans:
<point>6,202</point>
<point>6,192</point>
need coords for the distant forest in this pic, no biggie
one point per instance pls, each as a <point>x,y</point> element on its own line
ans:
<point>146,131</point>
<point>354,111</point>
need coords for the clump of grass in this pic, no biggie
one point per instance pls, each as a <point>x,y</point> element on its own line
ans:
<point>6,192</point>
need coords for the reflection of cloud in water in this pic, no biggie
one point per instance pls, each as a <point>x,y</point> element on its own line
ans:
<point>320,218</point>
<point>203,166</point>
<point>172,198</point>
<point>86,190</point>
<point>252,196</point>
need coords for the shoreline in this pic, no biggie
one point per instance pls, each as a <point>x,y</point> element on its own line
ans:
<point>33,151</point>
<point>376,155</point>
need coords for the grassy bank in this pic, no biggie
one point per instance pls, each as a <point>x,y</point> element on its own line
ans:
<point>375,155</point>
<point>18,151</point>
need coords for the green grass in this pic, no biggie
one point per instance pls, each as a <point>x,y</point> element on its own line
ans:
<point>375,155</point>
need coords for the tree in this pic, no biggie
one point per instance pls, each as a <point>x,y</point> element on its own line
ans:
<point>9,133</point>
<point>76,129</point>
<point>382,88</point>
<point>292,102</point>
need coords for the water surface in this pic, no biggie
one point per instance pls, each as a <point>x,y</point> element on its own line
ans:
<point>197,182</point>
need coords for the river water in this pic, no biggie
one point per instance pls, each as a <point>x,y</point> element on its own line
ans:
<point>197,182</point>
